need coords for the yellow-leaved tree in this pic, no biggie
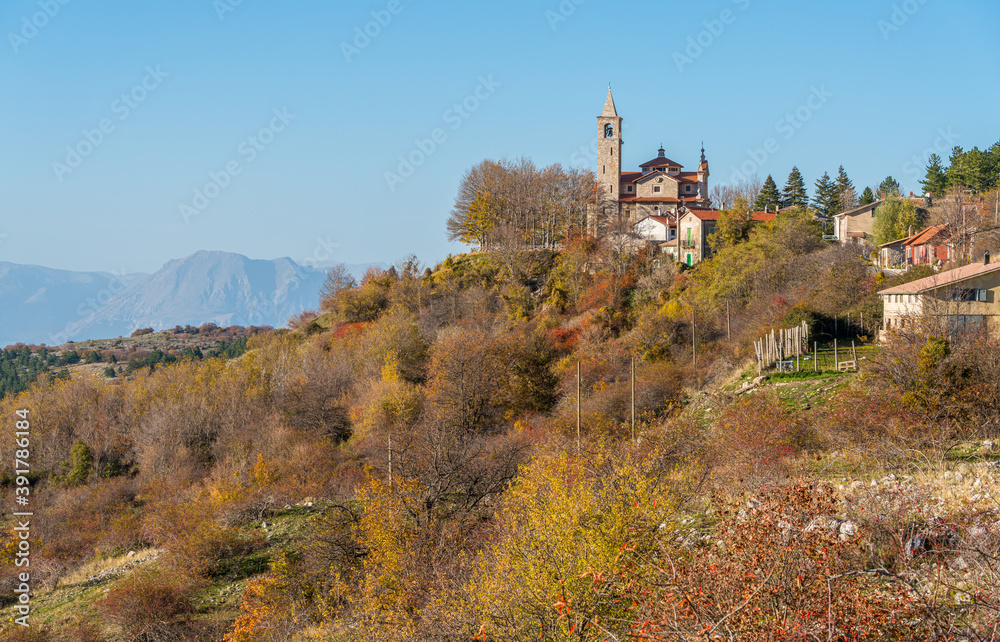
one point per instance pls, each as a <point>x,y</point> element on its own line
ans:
<point>384,605</point>
<point>482,217</point>
<point>572,531</point>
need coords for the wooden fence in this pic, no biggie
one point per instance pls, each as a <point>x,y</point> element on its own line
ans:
<point>781,345</point>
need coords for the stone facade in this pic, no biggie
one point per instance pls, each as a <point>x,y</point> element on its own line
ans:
<point>659,188</point>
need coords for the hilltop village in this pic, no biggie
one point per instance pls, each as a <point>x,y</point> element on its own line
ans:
<point>641,406</point>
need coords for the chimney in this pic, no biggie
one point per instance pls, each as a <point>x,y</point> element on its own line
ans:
<point>910,231</point>
<point>986,258</point>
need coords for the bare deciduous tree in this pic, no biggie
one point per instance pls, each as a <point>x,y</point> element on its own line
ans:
<point>513,203</point>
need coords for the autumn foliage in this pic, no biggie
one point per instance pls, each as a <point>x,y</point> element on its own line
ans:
<point>406,464</point>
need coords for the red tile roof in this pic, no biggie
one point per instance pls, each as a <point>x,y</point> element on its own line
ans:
<point>925,235</point>
<point>660,162</point>
<point>944,278</point>
<point>713,215</point>
<point>630,177</point>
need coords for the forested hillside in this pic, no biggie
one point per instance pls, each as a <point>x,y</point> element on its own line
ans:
<point>418,460</point>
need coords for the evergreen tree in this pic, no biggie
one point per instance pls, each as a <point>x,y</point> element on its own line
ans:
<point>81,459</point>
<point>826,198</point>
<point>846,196</point>
<point>769,197</point>
<point>867,197</point>
<point>975,162</point>
<point>935,180</point>
<point>888,187</point>
<point>794,194</point>
<point>956,168</point>
<point>993,166</point>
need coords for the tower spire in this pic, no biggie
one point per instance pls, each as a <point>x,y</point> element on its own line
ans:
<point>609,106</point>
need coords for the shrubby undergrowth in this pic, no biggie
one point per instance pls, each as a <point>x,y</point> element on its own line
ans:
<point>430,418</point>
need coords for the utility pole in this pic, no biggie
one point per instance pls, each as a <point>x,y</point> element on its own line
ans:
<point>578,388</point>
<point>633,399</point>
<point>729,324</point>
<point>694,347</point>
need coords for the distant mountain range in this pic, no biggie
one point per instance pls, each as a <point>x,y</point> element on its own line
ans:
<point>42,305</point>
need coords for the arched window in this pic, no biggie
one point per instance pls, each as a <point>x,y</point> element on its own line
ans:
<point>609,131</point>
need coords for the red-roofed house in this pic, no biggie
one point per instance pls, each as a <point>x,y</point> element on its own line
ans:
<point>931,246</point>
<point>659,188</point>
<point>965,297</point>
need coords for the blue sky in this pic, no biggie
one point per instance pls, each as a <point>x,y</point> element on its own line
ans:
<point>286,121</point>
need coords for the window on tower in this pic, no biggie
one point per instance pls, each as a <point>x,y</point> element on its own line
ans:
<point>609,131</point>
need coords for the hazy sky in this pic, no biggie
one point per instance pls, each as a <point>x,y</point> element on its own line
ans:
<point>136,132</point>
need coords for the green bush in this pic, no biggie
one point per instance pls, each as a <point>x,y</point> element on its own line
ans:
<point>81,460</point>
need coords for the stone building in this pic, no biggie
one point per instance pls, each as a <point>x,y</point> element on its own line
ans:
<point>658,189</point>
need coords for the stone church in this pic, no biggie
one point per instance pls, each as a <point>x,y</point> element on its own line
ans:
<point>657,189</point>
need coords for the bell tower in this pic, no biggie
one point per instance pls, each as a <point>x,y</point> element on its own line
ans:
<point>609,151</point>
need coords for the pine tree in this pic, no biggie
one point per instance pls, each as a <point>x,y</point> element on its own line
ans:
<point>993,165</point>
<point>935,180</point>
<point>976,170</point>
<point>826,198</point>
<point>846,196</point>
<point>794,194</point>
<point>889,187</point>
<point>867,197</point>
<point>956,168</point>
<point>769,197</point>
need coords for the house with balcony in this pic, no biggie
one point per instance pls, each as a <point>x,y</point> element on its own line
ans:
<point>695,228</point>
